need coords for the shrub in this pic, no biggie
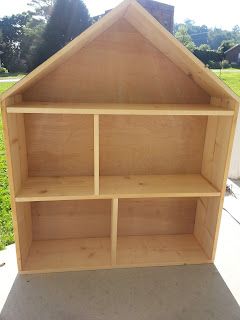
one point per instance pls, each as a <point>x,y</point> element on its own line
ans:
<point>209,57</point>
<point>3,70</point>
<point>214,65</point>
<point>235,65</point>
<point>225,64</point>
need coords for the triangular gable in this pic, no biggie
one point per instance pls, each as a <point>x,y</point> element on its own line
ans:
<point>119,66</point>
<point>150,28</point>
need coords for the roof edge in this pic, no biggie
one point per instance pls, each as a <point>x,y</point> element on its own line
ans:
<point>188,55</point>
<point>72,47</point>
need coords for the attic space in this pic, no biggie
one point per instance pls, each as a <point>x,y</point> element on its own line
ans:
<point>120,65</point>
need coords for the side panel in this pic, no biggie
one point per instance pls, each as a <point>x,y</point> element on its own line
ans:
<point>216,159</point>
<point>14,135</point>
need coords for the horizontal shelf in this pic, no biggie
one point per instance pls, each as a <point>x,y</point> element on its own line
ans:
<point>74,188</point>
<point>159,250</point>
<point>68,254</point>
<point>95,253</point>
<point>56,188</point>
<point>120,109</point>
<point>187,185</point>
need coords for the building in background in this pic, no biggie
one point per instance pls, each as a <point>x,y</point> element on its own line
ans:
<point>162,12</point>
<point>233,54</point>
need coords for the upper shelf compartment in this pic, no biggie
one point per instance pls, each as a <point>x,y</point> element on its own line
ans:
<point>120,109</point>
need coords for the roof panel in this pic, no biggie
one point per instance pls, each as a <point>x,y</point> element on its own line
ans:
<point>150,29</point>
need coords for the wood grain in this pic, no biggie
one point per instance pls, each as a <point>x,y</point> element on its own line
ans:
<point>120,65</point>
<point>138,145</point>
<point>114,230</point>
<point>68,255</point>
<point>56,188</point>
<point>159,250</point>
<point>120,109</point>
<point>156,216</point>
<point>71,219</point>
<point>59,145</point>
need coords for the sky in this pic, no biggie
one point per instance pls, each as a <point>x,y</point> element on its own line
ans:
<point>213,13</point>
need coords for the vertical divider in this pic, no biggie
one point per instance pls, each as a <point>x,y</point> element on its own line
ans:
<point>96,154</point>
<point>114,224</point>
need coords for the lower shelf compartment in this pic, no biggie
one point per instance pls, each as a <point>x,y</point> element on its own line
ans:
<point>68,254</point>
<point>95,253</point>
<point>159,250</point>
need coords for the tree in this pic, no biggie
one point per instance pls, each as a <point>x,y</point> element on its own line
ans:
<point>216,36</point>
<point>42,8</point>
<point>32,39</point>
<point>12,34</point>
<point>69,18</point>
<point>204,47</point>
<point>199,34</point>
<point>183,36</point>
<point>236,33</point>
<point>225,45</point>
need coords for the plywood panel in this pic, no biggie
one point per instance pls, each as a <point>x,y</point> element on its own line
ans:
<point>68,255</point>
<point>180,185</point>
<point>24,227</point>
<point>56,188</point>
<point>216,149</point>
<point>156,216</point>
<point>120,109</point>
<point>17,143</point>
<point>114,230</point>
<point>159,250</point>
<point>216,157</point>
<point>71,219</point>
<point>138,145</point>
<point>59,145</point>
<point>118,66</point>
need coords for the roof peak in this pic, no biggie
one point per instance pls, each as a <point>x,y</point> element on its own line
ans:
<point>149,28</point>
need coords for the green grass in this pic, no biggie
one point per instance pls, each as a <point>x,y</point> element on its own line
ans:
<point>232,79</point>
<point>6,229</point>
<point>12,75</point>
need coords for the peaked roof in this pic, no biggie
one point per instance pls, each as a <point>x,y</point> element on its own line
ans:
<point>152,30</point>
<point>234,47</point>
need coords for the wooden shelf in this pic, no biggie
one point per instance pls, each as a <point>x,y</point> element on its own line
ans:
<point>74,188</point>
<point>56,188</point>
<point>95,253</point>
<point>159,250</point>
<point>68,254</point>
<point>189,185</point>
<point>120,109</point>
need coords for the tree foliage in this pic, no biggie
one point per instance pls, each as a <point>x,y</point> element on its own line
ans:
<point>68,19</point>
<point>226,45</point>
<point>211,36</point>
<point>42,8</point>
<point>183,36</point>
<point>11,44</point>
<point>28,39</point>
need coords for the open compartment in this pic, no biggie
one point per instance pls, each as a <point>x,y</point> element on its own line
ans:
<point>149,156</point>
<point>53,155</point>
<point>65,235</point>
<point>158,232</point>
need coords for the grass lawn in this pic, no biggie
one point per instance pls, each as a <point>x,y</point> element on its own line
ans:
<point>232,79</point>
<point>6,230</point>
<point>12,75</point>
